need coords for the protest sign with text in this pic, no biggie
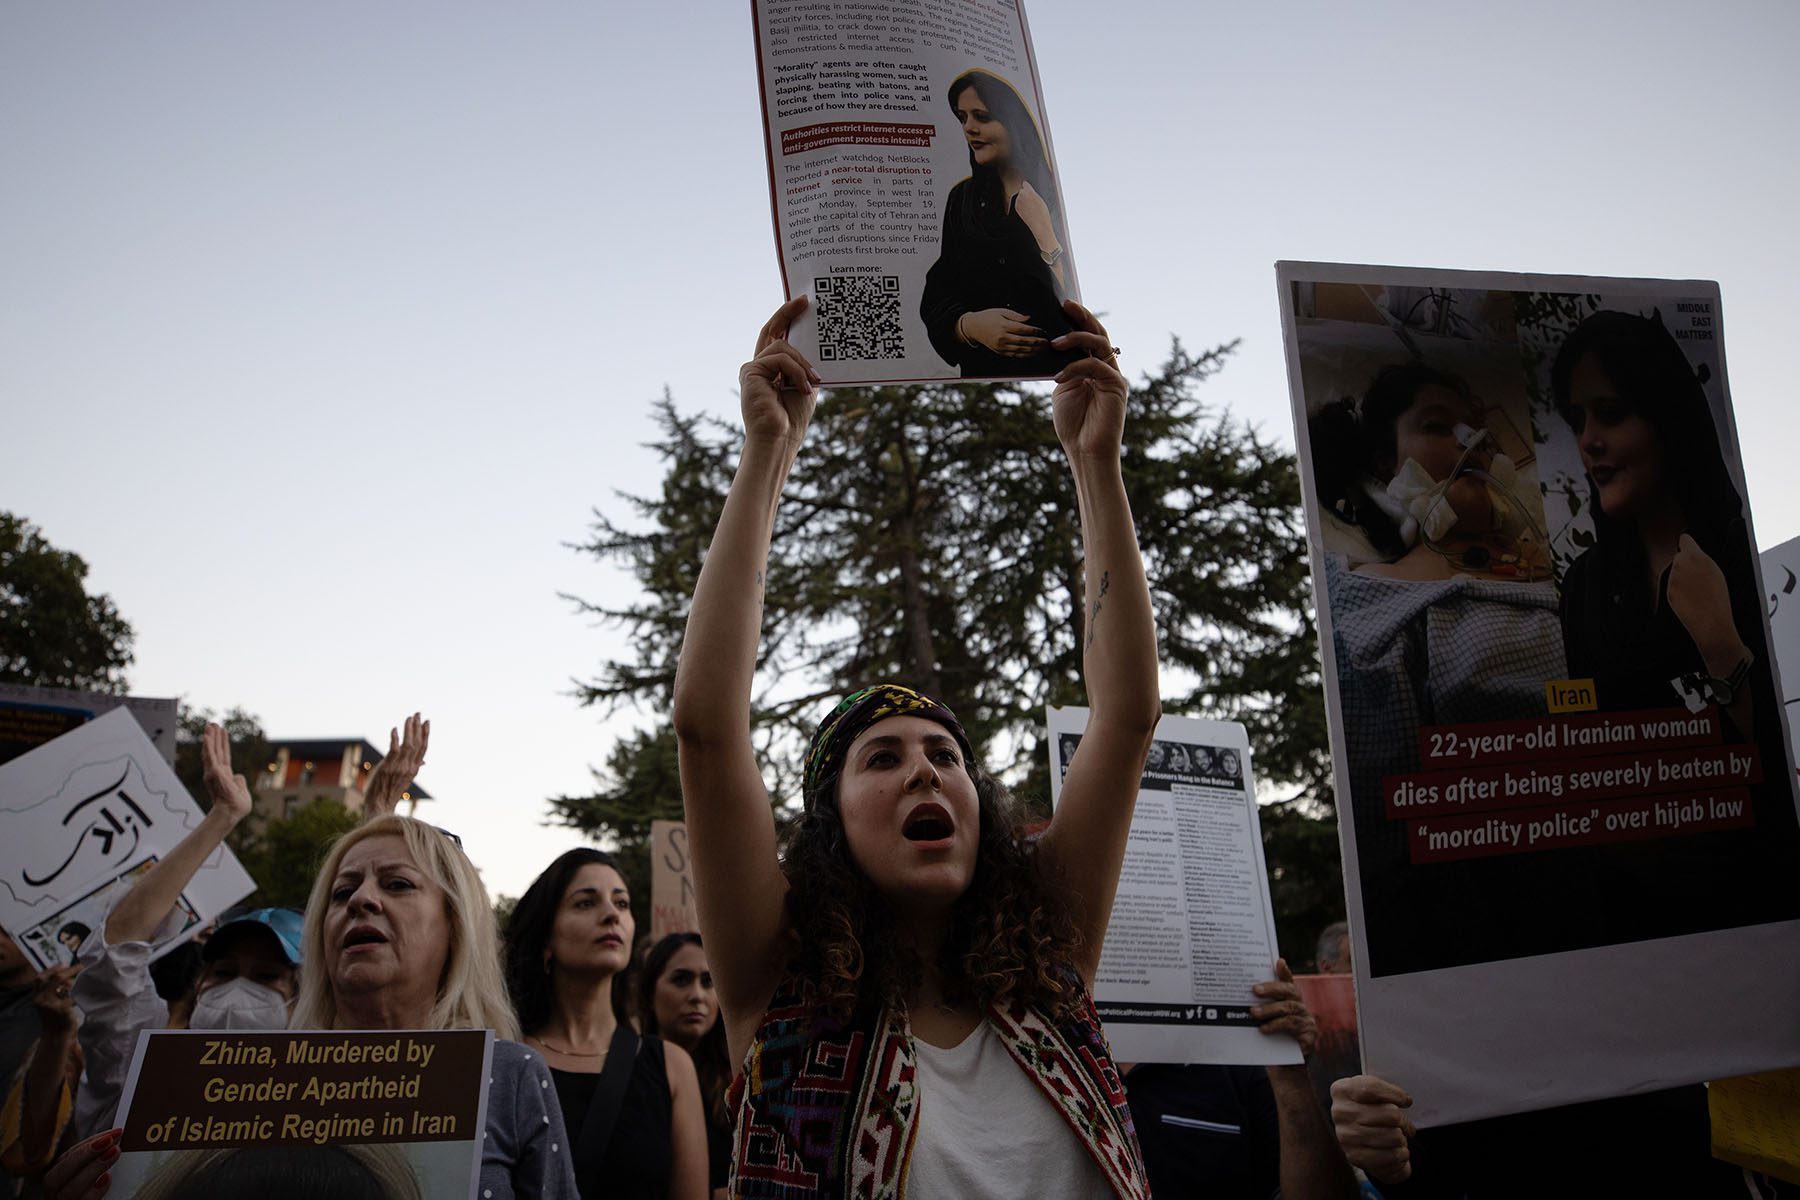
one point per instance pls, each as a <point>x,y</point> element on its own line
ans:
<point>915,190</point>
<point>671,881</point>
<point>86,814</point>
<point>1191,930</point>
<point>1557,740</point>
<point>404,1110</point>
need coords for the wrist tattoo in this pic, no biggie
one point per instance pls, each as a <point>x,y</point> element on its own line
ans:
<point>1094,613</point>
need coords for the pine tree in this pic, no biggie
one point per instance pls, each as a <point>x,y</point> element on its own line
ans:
<point>928,535</point>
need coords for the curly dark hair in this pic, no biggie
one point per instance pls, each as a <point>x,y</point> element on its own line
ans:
<point>1009,941</point>
<point>528,932</point>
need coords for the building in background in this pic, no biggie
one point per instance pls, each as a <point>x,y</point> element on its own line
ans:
<point>338,768</point>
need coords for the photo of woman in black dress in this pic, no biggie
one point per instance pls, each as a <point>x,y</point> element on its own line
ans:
<point>993,300</point>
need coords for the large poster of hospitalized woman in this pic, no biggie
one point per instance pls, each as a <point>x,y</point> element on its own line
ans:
<point>1559,748</point>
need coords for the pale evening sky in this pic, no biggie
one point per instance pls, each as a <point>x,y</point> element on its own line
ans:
<point>322,326</point>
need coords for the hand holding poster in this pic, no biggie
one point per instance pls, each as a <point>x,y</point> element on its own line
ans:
<point>1555,730</point>
<point>915,189</point>
<point>398,1114</point>
<point>1192,931</point>
<point>83,816</point>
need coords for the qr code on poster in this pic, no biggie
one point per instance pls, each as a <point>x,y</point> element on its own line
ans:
<point>859,317</point>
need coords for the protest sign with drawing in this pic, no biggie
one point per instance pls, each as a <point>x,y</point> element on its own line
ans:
<point>1556,735</point>
<point>399,1114</point>
<point>1192,930</point>
<point>85,814</point>
<point>31,716</point>
<point>915,191</point>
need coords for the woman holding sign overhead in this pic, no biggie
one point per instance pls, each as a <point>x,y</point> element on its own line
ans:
<point>993,300</point>
<point>906,986</point>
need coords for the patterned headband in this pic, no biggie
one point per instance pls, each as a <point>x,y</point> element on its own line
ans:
<point>861,709</point>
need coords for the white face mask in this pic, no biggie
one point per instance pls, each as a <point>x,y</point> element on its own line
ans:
<point>240,1004</point>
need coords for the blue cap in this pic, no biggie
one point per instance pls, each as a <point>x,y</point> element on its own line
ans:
<point>285,923</point>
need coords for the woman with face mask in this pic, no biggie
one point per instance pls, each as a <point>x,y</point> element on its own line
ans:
<point>251,966</point>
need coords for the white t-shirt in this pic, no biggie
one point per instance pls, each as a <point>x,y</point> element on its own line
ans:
<point>986,1130</point>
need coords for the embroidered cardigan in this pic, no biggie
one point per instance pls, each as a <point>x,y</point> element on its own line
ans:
<point>828,1108</point>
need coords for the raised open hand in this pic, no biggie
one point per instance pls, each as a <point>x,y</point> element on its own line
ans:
<point>776,385</point>
<point>229,793</point>
<point>1088,406</point>
<point>393,776</point>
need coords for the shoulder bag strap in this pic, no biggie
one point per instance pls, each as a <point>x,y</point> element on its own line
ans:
<point>609,1098</point>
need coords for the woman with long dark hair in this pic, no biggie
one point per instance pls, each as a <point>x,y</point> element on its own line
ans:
<point>907,984</point>
<point>631,1103</point>
<point>1664,605</point>
<point>993,300</point>
<point>676,1001</point>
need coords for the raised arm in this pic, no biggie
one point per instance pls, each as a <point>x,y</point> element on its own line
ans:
<point>1313,1166</point>
<point>1085,844</point>
<point>393,775</point>
<point>739,888</point>
<point>135,918</point>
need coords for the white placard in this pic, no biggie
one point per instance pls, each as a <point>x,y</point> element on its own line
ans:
<point>80,818</point>
<point>1191,930</point>
<point>915,190</point>
<point>1570,840</point>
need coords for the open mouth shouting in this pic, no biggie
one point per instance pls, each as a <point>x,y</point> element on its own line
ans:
<point>929,826</point>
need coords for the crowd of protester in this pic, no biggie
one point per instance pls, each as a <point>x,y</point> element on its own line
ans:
<point>896,1001</point>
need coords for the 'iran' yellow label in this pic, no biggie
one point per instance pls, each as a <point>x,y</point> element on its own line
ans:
<point>1571,695</point>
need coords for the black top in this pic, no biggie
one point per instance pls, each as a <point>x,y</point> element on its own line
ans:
<point>1621,633</point>
<point>635,1165</point>
<point>1206,1130</point>
<point>718,1150</point>
<point>989,259</point>
<point>1626,638</point>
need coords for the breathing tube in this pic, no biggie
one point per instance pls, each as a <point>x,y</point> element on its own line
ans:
<point>1420,508</point>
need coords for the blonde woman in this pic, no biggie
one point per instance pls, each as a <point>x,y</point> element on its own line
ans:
<point>400,935</point>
